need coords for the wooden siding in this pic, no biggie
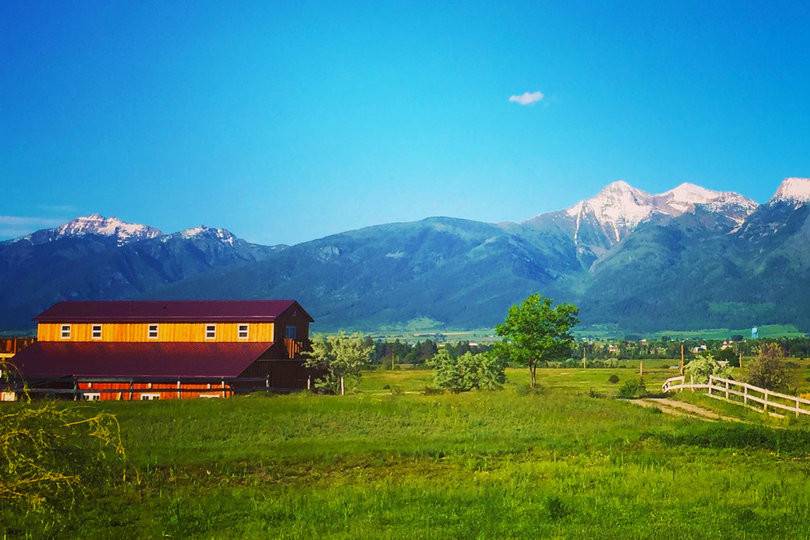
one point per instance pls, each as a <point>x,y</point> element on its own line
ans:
<point>167,332</point>
<point>124,391</point>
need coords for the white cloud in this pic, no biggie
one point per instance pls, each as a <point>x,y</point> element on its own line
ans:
<point>23,221</point>
<point>527,98</point>
<point>16,226</point>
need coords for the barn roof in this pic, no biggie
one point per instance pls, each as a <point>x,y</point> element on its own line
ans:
<point>52,360</point>
<point>170,311</point>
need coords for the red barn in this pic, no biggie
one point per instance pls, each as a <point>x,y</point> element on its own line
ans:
<point>140,350</point>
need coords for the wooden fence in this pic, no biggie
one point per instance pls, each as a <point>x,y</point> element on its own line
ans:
<point>742,393</point>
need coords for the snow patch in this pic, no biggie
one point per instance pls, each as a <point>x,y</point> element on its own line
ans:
<point>97,224</point>
<point>222,235</point>
<point>619,207</point>
<point>793,189</point>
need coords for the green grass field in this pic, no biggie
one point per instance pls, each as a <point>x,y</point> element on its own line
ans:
<point>390,461</point>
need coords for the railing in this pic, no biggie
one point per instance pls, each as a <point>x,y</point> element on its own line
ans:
<point>742,393</point>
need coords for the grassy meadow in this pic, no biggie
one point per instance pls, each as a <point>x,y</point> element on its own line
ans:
<point>393,461</point>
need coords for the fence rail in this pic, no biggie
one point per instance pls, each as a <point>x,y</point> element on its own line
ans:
<point>742,393</point>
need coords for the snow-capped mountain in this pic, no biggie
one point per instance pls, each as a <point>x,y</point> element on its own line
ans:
<point>107,226</point>
<point>214,233</point>
<point>687,257</point>
<point>98,225</point>
<point>796,190</point>
<point>601,222</point>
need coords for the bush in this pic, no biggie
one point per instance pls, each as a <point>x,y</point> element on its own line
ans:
<point>632,389</point>
<point>768,369</point>
<point>468,371</point>
<point>613,379</point>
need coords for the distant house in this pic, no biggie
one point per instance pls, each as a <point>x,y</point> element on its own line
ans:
<point>143,350</point>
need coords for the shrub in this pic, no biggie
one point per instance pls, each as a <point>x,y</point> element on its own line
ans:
<point>768,369</point>
<point>632,389</point>
<point>468,371</point>
<point>613,379</point>
<point>702,367</point>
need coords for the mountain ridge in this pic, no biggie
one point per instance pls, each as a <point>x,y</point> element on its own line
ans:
<point>622,248</point>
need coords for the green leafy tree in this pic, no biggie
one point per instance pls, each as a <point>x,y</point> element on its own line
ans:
<point>702,367</point>
<point>534,332</point>
<point>768,369</point>
<point>728,355</point>
<point>338,359</point>
<point>468,371</point>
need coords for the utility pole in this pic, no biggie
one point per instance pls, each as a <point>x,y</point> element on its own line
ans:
<point>682,357</point>
<point>584,366</point>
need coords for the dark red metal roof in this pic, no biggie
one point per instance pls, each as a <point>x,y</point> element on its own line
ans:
<point>53,359</point>
<point>169,311</point>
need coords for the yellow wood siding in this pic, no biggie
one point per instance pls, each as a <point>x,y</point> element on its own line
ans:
<point>132,332</point>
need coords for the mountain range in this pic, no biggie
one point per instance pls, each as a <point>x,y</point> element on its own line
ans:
<point>688,258</point>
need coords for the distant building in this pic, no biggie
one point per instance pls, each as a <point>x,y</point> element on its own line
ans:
<point>144,350</point>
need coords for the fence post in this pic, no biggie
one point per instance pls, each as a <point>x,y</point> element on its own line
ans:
<point>745,393</point>
<point>797,407</point>
<point>765,405</point>
<point>711,382</point>
<point>726,388</point>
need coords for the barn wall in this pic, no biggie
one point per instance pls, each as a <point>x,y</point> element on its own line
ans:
<point>167,332</point>
<point>123,391</point>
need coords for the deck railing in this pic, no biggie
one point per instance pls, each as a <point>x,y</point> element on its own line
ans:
<point>743,394</point>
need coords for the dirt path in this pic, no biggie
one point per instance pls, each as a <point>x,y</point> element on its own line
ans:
<point>679,408</point>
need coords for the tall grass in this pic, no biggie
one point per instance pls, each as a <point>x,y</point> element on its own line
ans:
<point>481,464</point>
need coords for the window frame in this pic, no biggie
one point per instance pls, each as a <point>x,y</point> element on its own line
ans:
<point>287,331</point>
<point>149,396</point>
<point>212,330</point>
<point>65,331</point>
<point>149,331</point>
<point>93,328</point>
<point>243,331</point>
<point>91,396</point>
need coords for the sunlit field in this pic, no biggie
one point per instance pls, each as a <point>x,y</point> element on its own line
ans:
<point>392,460</point>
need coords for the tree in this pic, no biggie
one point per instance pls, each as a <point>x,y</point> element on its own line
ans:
<point>534,332</point>
<point>337,358</point>
<point>468,371</point>
<point>728,355</point>
<point>768,369</point>
<point>702,367</point>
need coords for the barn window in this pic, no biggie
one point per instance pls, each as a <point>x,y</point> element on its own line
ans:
<point>291,332</point>
<point>65,331</point>
<point>210,331</point>
<point>96,331</point>
<point>150,397</point>
<point>153,331</point>
<point>91,396</point>
<point>243,331</point>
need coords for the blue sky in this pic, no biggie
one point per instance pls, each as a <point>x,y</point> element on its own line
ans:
<point>286,122</point>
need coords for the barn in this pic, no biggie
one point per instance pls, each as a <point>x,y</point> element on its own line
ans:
<point>148,350</point>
